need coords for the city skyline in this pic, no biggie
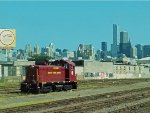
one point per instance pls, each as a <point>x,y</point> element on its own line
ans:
<point>74,23</point>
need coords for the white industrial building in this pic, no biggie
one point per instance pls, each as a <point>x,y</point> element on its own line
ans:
<point>108,70</point>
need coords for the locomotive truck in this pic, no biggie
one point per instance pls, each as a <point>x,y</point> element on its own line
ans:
<point>59,75</point>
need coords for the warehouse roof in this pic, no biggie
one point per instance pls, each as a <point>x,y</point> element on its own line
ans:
<point>146,58</point>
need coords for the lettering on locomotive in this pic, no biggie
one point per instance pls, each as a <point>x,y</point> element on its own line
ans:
<point>55,68</point>
<point>54,73</point>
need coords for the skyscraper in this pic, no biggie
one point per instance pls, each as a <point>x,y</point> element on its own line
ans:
<point>146,51</point>
<point>37,49</point>
<point>104,46</point>
<point>134,52</point>
<point>114,46</point>
<point>28,50</point>
<point>51,50</point>
<point>115,34</point>
<point>85,51</point>
<point>139,51</point>
<point>124,37</point>
<point>125,45</point>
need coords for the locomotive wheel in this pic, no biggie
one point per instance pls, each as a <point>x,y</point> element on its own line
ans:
<point>57,88</point>
<point>75,86</point>
<point>36,90</point>
<point>50,88</point>
<point>67,87</point>
<point>25,88</point>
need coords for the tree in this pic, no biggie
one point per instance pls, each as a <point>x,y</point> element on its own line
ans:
<point>40,59</point>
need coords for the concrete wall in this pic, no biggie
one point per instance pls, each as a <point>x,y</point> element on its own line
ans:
<point>5,71</point>
<point>97,69</point>
<point>96,66</point>
<point>79,72</point>
<point>94,70</point>
<point>23,63</point>
<point>18,70</point>
<point>146,72</point>
<point>130,71</point>
<point>103,70</point>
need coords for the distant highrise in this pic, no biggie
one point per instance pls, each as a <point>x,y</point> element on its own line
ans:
<point>50,50</point>
<point>59,51</point>
<point>125,45</point>
<point>134,52</point>
<point>20,54</point>
<point>124,37</point>
<point>98,54</point>
<point>68,54</point>
<point>37,49</point>
<point>139,51</point>
<point>28,50</point>
<point>115,34</point>
<point>43,51</point>
<point>104,46</point>
<point>146,51</point>
<point>114,46</point>
<point>85,51</point>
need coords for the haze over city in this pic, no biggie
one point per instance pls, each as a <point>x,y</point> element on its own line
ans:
<point>67,24</point>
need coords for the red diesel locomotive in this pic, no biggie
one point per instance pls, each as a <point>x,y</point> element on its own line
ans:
<point>60,75</point>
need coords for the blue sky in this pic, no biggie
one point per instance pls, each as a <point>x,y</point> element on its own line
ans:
<point>67,24</point>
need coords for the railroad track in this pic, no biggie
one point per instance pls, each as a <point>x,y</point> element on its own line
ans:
<point>84,104</point>
<point>104,105</point>
<point>84,83</point>
<point>141,107</point>
<point>9,90</point>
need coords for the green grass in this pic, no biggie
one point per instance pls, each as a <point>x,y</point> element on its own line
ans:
<point>9,85</point>
<point>10,82</point>
<point>92,84</point>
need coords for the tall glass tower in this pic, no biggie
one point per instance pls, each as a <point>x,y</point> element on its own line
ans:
<point>104,46</point>
<point>125,44</point>
<point>114,46</point>
<point>115,34</point>
<point>124,37</point>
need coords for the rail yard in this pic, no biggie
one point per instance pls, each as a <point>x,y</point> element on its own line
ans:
<point>99,96</point>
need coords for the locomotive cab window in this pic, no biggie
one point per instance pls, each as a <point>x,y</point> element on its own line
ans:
<point>72,70</point>
<point>66,66</point>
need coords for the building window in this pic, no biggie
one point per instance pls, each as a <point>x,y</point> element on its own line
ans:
<point>129,68</point>
<point>134,68</point>
<point>139,68</point>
